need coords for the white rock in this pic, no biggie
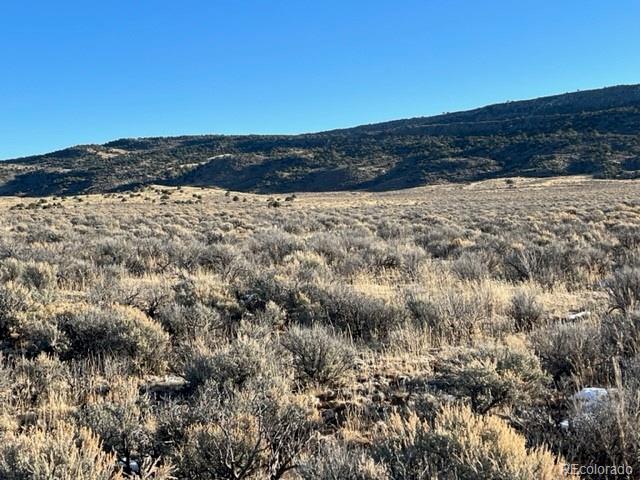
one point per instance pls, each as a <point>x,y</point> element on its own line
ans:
<point>585,403</point>
<point>591,394</point>
<point>589,398</point>
<point>579,315</point>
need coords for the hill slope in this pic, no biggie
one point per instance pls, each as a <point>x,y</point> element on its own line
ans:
<point>590,132</point>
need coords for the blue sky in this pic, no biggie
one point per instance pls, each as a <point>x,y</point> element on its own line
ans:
<point>88,72</point>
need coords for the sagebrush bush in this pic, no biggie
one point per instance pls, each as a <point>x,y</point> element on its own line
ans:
<point>189,322</point>
<point>451,315</point>
<point>122,420</point>
<point>555,262</point>
<point>442,241</point>
<point>39,275</point>
<point>345,464</point>
<point>228,366</point>
<point>38,332</point>
<point>11,269</point>
<point>490,377</point>
<point>229,449</point>
<point>274,245</point>
<point>573,352</point>
<point>247,438</point>
<point>207,290</point>
<point>319,356</point>
<point>14,300</point>
<point>461,445</point>
<point>470,266</point>
<point>117,330</point>
<point>525,310</point>
<point>357,314</point>
<point>623,289</point>
<point>61,452</point>
<point>39,380</point>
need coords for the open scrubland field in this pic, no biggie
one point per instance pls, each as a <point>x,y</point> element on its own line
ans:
<point>440,332</point>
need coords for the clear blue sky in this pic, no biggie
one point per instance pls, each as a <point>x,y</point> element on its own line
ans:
<point>87,72</point>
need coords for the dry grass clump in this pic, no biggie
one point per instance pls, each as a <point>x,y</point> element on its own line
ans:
<point>459,444</point>
<point>346,463</point>
<point>61,451</point>
<point>434,333</point>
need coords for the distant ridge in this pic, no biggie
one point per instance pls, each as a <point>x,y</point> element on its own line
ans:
<point>587,132</point>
